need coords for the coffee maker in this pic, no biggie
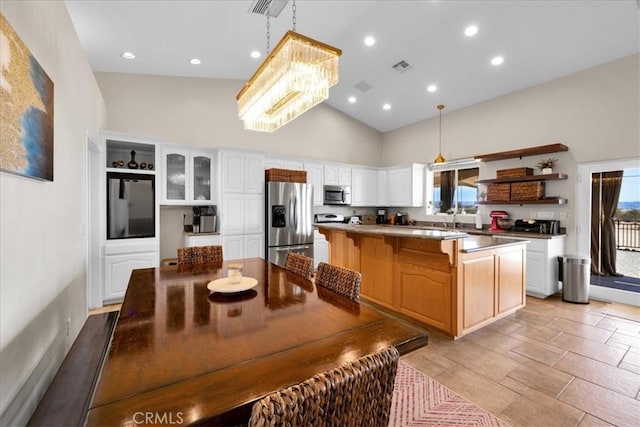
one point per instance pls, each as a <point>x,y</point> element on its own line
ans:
<point>381,218</point>
<point>204,219</point>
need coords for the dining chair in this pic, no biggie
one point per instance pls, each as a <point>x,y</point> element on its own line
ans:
<point>356,394</point>
<point>200,255</point>
<point>299,264</point>
<point>340,280</point>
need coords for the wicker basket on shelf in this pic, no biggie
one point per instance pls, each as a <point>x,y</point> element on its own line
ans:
<point>514,172</point>
<point>498,192</point>
<point>533,190</point>
<point>285,175</point>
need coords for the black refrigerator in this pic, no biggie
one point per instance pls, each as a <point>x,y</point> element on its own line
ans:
<point>289,220</point>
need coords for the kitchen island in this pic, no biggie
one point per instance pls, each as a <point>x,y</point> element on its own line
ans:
<point>448,280</point>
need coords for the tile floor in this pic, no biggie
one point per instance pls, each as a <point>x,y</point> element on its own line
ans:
<point>550,364</point>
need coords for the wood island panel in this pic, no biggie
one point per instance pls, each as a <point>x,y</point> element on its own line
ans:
<point>437,282</point>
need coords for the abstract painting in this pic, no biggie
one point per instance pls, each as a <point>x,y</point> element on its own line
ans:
<point>26,109</point>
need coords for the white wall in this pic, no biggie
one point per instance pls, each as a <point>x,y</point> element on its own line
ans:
<point>594,112</point>
<point>43,243</point>
<point>203,113</point>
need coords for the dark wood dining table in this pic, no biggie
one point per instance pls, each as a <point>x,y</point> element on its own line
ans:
<point>183,355</point>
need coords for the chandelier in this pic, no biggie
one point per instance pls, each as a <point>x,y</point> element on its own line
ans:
<point>293,78</point>
<point>440,158</point>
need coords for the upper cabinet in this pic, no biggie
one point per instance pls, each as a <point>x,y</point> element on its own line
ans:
<point>364,188</point>
<point>405,186</point>
<point>188,176</point>
<point>337,175</point>
<point>315,177</point>
<point>242,172</point>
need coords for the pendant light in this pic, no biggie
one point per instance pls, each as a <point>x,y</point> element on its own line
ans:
<point>293,78</point>
<point>440,158</point>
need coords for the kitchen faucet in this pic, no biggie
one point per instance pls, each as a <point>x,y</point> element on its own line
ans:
<point>453,220</point>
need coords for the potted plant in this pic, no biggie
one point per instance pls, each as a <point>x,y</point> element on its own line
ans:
<point>546,165</point>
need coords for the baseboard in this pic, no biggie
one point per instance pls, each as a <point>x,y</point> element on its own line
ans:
<point>24,403</point>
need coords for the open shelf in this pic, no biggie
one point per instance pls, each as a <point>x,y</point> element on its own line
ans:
<point>545,201</point>
<point>546,177</point>
<point>531,151</point>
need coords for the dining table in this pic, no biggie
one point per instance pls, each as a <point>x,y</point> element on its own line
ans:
<point>183,354</point>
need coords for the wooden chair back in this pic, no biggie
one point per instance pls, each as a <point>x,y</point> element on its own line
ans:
<point>356,394</point>
<point>193,255</point>
<point>340,280</point>
<point>299,264</point>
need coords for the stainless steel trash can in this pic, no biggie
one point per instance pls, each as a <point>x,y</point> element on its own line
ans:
<point>576,275</point>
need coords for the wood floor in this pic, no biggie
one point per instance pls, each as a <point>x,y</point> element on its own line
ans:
<point>550,364</point>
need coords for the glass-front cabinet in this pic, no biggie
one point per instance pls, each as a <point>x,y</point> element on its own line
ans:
<point>188,176</point>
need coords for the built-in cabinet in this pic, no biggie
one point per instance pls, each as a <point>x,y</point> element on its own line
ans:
<point>188,176</point>
<point>542,265</point>
<point>279,163</point>
<point>405,186</point>
<point>190,239</point>
<point>337,175</point>
<point>364,188</point>
<point>138,212</point>
<point>315,177</point>
<point>242,203</point>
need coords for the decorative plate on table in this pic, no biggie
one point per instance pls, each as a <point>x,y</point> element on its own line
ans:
<point>226,287</point>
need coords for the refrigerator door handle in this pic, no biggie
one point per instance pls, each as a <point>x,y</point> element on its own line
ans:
<point>292,248</point>
<point>295,213</point>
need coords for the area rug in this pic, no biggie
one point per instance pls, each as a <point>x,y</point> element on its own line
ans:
<point>419,400</point>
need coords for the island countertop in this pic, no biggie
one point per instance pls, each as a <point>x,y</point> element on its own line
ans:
<point>394,231</point>
<point>477,243</point>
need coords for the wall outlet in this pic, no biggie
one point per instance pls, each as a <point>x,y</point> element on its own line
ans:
<point>67,326</point>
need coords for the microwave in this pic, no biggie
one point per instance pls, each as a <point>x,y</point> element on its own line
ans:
<point>337,195</point>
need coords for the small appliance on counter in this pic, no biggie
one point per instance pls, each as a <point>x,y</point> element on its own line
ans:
<point>355,220</point>
<point>538,226</point>
<point>495,217</point>
<point>402,218</point>
<point>204,219</point>
<point>319,218</point>
<point>381,217</point>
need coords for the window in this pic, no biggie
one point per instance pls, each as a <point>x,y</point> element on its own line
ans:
<point>454,189</point>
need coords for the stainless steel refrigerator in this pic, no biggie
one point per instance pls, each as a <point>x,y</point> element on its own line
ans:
<point>289,217</point>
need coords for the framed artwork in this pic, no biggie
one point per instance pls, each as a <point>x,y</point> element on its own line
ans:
<point>26,109</point>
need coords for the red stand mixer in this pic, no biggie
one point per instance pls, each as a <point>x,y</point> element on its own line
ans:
<point>494,220</point>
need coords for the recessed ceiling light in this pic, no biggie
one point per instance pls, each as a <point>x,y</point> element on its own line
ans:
<point>195,61</point>
<point>386,107</point>
<point>255,54</point>
<point>471,31</point>
<point>432,88</point>
<point>369,41</point>
<point>128,55</point>
<point>497,60</point>
<point>352,99</point>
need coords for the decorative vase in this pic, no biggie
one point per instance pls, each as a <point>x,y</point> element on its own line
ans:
<point>133,164</point>
<point>547,171</point>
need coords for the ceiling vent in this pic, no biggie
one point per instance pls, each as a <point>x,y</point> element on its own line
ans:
<point>363,86</point>
<point>402,66</point>
<point>261,7</point>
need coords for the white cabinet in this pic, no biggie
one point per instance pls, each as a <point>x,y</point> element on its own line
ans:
<point>320,249</point>
<point>188,176</point>
<point>246,246</point>
<point>315,177</point>
<point>118,271</point>
<point>337,175</point>
<point>242,214</point>
<point>542,264</point>
<point>278,163</point>
<point>242,172</point>
<point>364,188</point>
<point>405,186</point>
<point>383,196</point>
<point>254,246</point>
